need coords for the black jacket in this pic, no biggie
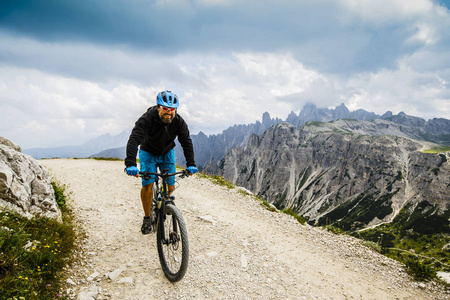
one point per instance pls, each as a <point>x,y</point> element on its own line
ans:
<point>158,138</point>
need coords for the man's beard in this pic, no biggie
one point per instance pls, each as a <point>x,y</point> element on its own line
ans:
<point>166,120</point>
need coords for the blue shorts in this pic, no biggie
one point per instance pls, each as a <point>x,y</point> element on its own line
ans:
<point>149,163</point>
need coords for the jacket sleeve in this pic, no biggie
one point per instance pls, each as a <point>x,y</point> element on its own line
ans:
<point>186,143</point>
<point>136,138</point>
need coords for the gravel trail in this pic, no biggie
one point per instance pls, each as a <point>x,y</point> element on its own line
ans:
<point>238,249</point>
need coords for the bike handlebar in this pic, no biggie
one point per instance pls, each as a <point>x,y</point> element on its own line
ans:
<point>165,174</point>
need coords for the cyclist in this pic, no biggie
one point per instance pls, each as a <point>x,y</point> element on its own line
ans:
<point>155,132</point>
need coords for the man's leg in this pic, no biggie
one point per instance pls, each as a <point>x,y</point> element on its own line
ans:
<point>171,188</point>
<point>147,198</point>
<point>148,164</point>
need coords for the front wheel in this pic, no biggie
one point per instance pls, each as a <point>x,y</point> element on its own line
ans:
<point>173,246</point>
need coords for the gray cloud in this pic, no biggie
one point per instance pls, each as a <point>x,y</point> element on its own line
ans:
<point>71,70</point>
<point>325,35</point>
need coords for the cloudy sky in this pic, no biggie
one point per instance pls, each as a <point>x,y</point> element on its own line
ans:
<point>73,70</point>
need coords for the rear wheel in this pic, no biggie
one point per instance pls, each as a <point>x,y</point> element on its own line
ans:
<point>173,246</point>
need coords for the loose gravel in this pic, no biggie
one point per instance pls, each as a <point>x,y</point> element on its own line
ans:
<point>238,248</point>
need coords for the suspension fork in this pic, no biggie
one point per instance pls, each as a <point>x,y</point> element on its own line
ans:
<point>166,240</point>
<point>165,199</point>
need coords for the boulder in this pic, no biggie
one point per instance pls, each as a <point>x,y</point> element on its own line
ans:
<point>25,185</point>
<point>8,143</point>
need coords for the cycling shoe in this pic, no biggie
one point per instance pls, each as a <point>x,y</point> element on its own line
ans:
<point>147,226</point>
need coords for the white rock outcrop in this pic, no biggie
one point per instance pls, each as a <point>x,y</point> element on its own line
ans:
<point>25,186</point>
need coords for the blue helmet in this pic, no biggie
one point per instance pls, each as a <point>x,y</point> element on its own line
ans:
<point>167,99</point>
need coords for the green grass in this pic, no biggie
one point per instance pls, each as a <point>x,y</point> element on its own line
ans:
<point>60,195</point>
<point>94,158</point>
<point>267,205</point>
<point>107,158</point>
<point>334,229</point>
<point>438,149</point>
<point>219,180</point>
<point>34,252</point>
<point>290,212</point>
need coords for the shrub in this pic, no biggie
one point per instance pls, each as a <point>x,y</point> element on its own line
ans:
<point>419,269</point>
<point>373,245</point>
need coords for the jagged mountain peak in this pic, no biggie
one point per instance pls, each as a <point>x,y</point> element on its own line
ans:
<point>265,117</point>
<point>201,134</point>
<point>216,146</point>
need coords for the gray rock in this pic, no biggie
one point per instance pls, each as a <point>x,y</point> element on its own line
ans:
<point>116,273</point>
<point>10,144</point>
<point>25,186</point>
<point>125,280</point>
<point>445,276</point>
<point>93,276</point>
<point>89,294</point>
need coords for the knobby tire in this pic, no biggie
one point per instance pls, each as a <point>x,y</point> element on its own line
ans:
<point>174,256</point>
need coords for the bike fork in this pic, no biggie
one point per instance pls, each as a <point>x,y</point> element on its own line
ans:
<point>168,240</point>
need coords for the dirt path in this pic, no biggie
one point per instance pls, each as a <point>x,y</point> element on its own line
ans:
<point>238,249</point>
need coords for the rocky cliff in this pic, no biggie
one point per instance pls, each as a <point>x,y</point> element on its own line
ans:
<point>349,171</point>
<point>25,185</point>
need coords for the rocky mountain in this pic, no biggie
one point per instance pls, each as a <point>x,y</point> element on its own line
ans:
<point>436,130</point>
<point>357,173</point>
<point>119,152</point>
<point>310,112</point>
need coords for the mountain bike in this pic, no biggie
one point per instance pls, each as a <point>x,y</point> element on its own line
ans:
<point>171,232</point>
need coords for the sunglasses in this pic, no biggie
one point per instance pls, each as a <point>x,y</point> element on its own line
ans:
<point>168,109</point>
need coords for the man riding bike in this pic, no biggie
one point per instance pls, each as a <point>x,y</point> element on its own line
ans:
<point>155,132</point>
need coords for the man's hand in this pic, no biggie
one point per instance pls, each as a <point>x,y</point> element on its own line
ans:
<point>132,171</point>
<point>192,170</point>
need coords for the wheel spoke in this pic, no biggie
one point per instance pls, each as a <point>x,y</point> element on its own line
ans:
<point>174,249</point>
